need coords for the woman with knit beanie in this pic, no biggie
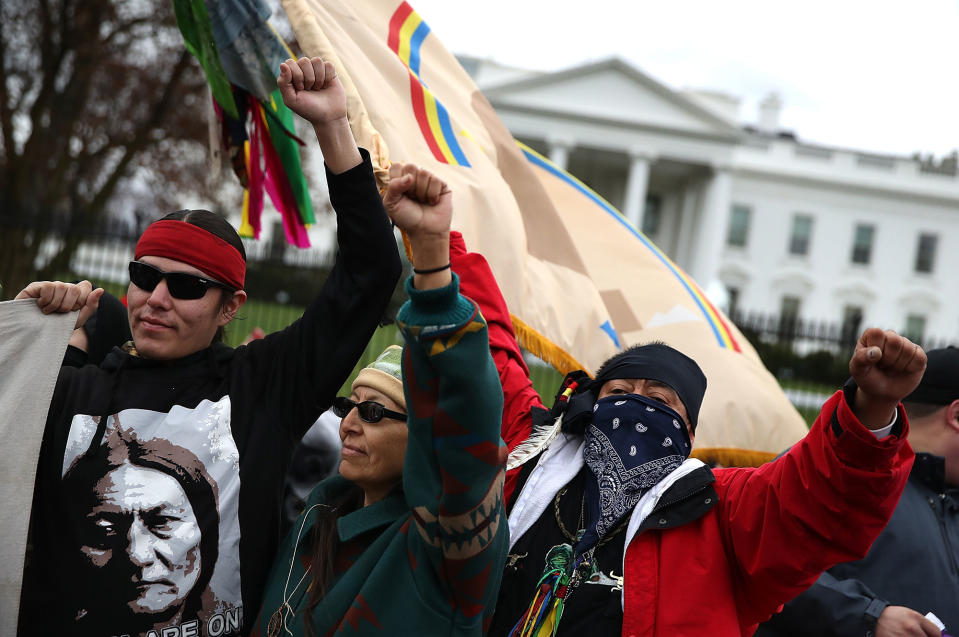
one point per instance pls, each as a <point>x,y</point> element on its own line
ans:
<point>410,537</point>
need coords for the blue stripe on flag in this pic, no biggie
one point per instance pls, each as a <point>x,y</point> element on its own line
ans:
<point>608,328</point>
<point>415,42</point>
<point>444,118</point>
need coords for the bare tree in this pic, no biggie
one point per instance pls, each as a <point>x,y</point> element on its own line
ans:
<point>96,96</point>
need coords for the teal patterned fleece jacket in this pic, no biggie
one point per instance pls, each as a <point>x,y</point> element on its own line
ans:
<point>426,561</point>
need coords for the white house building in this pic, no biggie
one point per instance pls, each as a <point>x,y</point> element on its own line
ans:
<point>763,221</point>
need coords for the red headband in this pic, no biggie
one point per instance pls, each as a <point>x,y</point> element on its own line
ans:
<point>194,246</point>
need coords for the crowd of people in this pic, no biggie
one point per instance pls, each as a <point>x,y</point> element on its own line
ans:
<point>462,504</point>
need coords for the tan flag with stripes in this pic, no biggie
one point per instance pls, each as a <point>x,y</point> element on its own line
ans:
<point>581,284</point>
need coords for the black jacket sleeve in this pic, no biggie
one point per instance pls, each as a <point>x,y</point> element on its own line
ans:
<point>829,608</point>
<point>302,367</point>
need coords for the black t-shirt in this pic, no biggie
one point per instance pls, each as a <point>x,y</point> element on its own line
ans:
<point>593,608</point>
<point>159,483</point>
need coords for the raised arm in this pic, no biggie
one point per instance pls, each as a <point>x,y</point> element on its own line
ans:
<point>453,472</point>
<point>828,498</point>
<point>307,363</point>
<point>519,398</point>
<point>310,89</point>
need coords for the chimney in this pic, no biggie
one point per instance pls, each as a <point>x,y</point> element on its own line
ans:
<point>769,113</point>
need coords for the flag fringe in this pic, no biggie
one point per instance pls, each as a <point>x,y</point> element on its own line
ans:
<point>543,348</point>
<point>732,457</point>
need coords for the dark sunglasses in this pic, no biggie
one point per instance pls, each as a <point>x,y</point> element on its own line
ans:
<point>180,284</point>
<point>368,410</point>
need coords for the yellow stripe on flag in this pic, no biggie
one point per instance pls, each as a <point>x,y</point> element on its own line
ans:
<point>406,34</point>
<point>433,117</point>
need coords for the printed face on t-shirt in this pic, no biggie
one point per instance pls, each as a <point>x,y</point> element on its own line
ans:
<point>143,532</point>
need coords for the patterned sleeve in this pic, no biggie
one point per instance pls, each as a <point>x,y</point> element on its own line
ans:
<point>454,467</point>
<point>519,397</point>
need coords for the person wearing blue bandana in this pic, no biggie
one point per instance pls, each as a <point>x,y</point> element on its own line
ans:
<point>634,441</point>
<point>615,530</point>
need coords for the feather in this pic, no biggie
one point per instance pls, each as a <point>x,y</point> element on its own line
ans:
<point>538,440</point>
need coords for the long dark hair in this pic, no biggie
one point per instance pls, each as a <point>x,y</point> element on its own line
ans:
<point>219,227</point>
<point>122,447</point>
<point>326,544</point>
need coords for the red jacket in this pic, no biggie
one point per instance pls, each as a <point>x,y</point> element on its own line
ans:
<point>723,550</point>
<point>772,531</point>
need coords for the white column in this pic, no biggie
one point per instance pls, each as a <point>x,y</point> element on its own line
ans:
<point>635,202</point>
<point>685,232</point>
<point>559,148</point>
<point>710,232</point>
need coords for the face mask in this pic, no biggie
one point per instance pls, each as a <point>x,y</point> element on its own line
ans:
<point>632,444</point>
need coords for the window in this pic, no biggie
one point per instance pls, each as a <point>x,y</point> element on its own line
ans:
<point>738,231</point>
<point>852,315</point>
<point>862,243</point>
<point>789,308</point>
<point>800,235</point>
<point>788,317</point>
<point>915,327</point>
<point>926,252</point>
<point>277,245</point>
<point>851,320</point>
<point>732,294</point>
<point>652,216</point>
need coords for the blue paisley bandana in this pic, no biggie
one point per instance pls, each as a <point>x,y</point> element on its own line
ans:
<point>632,443</point>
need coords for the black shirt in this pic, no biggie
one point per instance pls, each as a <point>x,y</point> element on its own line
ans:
<point>218,427</point>
<point>593,608</point>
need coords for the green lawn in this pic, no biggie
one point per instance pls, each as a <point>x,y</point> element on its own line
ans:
<point>271,317</point>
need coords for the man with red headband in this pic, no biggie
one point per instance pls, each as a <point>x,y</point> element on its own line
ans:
<point>112,559</point>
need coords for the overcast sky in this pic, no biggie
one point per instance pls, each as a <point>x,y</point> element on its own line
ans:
<point>874,75</point>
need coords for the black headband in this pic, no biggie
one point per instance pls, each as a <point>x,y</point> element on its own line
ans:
<point>662,363</point>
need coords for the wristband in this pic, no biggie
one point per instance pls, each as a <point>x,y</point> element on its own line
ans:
<point>432,270</point>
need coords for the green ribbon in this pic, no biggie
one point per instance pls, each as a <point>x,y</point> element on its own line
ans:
<point>194,23</point>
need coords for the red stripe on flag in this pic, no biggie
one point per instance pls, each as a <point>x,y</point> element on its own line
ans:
<point>396,23</point>
<point>729,333</point>
<point>719,317</point>
<point>419,110</point>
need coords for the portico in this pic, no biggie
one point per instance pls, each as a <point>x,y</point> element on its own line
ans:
<point>659,157</point>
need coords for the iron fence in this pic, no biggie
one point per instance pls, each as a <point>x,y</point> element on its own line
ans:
<point>809,358</point>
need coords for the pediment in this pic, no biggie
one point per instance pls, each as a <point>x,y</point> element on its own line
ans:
<point>794,281</point>
<point>611,90</point>
<point>920,300</point>
<point>856,293</point>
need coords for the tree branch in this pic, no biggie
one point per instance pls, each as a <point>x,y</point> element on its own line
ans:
<point>125,28</point>
<point>6,112</point>
<point>143,137</point>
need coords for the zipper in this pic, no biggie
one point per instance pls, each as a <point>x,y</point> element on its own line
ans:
<point>662,504</point>
<point>940,513</point>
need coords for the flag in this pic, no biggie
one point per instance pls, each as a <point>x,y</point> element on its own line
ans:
<point>31,349</point>
<point>241,53</point>
<point>581,284</point>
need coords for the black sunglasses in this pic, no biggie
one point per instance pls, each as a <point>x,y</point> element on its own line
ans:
<point>369,411</point>
<point>180,284</point>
